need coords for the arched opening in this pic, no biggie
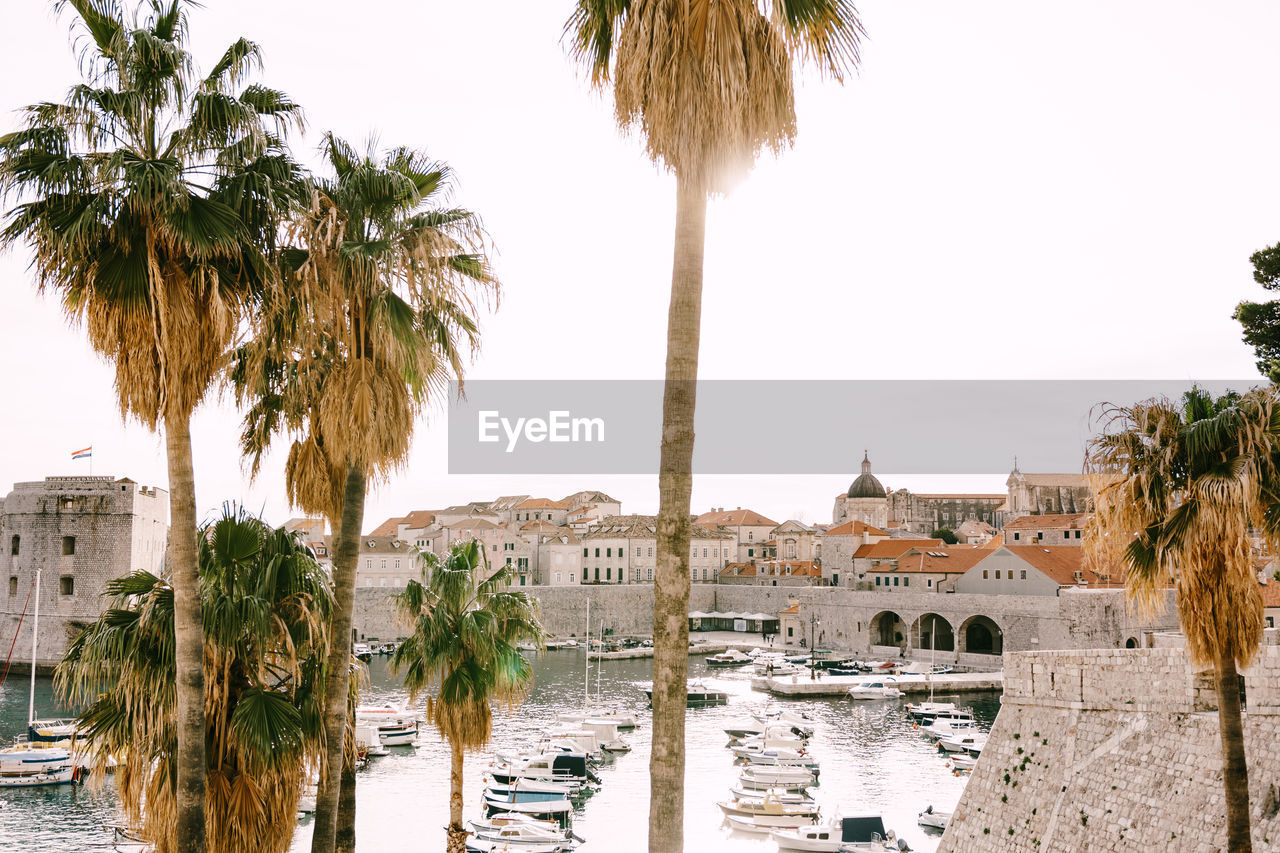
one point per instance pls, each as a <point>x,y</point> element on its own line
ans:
<point>933,632</point>
<point>1131,643</point>
<point>982,636</point>
<point>887,629</point>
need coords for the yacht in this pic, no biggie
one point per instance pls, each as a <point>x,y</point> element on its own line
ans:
<point>872,690</point>
<point>537,804</point>
<point>857,833</point>
<point>730,657</point>
<point>24,766</point>
<point>971,743</point>
<point>770,804</point>
<point>698,694</point>
<point>762,777</point>
<point>780,757</point>
<point>765,824</point>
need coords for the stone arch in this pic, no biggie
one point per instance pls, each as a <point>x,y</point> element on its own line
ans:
<point>932,631</point>
<point>1132,643</point>
<point>887,629</point>
<point>980,635</point>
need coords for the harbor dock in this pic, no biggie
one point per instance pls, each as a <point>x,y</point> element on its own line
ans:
<point>837,685</point>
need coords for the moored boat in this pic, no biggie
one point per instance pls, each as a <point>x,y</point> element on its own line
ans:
<point>873,690</point>
<point>729,657</point>
<point>932,818</point>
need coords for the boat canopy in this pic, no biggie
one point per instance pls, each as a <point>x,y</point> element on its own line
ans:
<point>859,830</point>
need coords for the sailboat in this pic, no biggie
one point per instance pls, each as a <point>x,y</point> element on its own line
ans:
<point>623,718</point>
<point>33,762</point>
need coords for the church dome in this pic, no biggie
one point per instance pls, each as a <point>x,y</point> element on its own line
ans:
<point>866,486</point>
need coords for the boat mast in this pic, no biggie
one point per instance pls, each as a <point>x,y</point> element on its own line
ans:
<point>600,663</point>
<point>933,647</point>
<point>35,637</point>
<point>586,679</point>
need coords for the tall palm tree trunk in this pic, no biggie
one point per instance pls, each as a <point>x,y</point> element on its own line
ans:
<point>457,842</point>
<point>675,481</point>
<point>345,837</point>
<point>188,634</point>
<point>1235,772</point>
<point>337,679</point>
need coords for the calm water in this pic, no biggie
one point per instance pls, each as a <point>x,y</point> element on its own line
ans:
<point>871,759</point>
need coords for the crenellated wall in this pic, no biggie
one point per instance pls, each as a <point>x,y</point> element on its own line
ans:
<point>1116,750</point>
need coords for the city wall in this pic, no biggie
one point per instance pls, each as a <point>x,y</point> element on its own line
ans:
<point>1071,620</point>
<point>1116,750</point>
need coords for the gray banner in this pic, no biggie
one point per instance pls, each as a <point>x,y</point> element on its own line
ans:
<point>772,427</point>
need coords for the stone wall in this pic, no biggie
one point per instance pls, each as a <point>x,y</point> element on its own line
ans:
<point>1116,750</point>
<point>1072,620</point>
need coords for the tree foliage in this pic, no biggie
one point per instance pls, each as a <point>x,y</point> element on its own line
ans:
<point>266,603</point>
<point>1261,320</point>
<point>946,534</point>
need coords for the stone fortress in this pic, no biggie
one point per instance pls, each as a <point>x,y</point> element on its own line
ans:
<point>79,532</point>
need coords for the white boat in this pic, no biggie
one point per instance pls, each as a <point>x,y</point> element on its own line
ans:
<point>773,737</point>
<point>770,804</point>
<point>872,690</point>
<point>765,824</point>
<point>970,743</point>
<point>761,777</point>
<point>962,763</point>
<point>782,757</point>
<point>549,767</point>
<point>936,819</point>
<point>775,670</point>
<point>502,845</point>
<point>730,657</point>
<point>396,725</point>
<point>23,766</point>
<point>939,729</point>
<point>783,795</point>
<point>520,836</point>
<point>368,742</point>
<point>493,824</point>
<point>398,734</point>
<point>820,838</point>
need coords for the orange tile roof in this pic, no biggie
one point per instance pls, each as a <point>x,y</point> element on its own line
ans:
<point>541,503</point>
<point>799,568</point>
<point>738,570</point>
<point>854,528</point>
<point>1270,593</point>
<point>1062,562</point>
<point>734,517</point>
<point>419,518</point>
<point>1031,522</point>
<point>387,528</point>
<point>888,549</point>
<point>953,560</point>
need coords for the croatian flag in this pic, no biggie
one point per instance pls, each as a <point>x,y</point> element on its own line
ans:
<point>83,454</point>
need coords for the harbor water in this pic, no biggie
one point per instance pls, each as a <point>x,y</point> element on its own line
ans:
<point>873,761</point>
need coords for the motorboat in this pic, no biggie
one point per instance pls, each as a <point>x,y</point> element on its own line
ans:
<point>773,670</point>
<point>396,725</point>
<point>398,734</point>
<point>533,804</point>
<point>759,776</point>
<point>858,833</point>
<point>765,824</point>
<point>930,711</point>
<point>24,766</point>
<point>730,657</point>
<point>368,743</point>
<point>548,766</point>
<point>781,757</point>
<point>553,645</point>
<point>962,763</point>
<point>944,727</point>
<point>783,795</point>
<point>522,835</point>
<point>759,744</point>
<point>491,825</point>
<point>621,717</point>
<point>971,743</point>
<point>820,838</point>
<point>935,819</point>
<point>872,690</point>
<point>362,652</point>
<point>605,732</point>
<point>770,804</point>
<point>698,693</point>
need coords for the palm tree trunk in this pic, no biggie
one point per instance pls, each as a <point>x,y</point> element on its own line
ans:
<point>1235,772</point>
<point>188,634</point>
<point>337,679</point>
<point>457,842</point>
<point>345,837</point>
<point>675,480</point>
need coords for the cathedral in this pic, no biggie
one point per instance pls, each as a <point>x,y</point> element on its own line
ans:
<point>866,501</point>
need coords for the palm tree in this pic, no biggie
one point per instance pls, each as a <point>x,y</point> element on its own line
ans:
<point>375,313</point>
<point>1179,490</point>
<point>708,84</point>
<point>149,198</point>
<point>463,646</point>
<point>266,603</point>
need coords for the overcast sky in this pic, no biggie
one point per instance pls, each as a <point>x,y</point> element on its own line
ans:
<point>1007,190</point>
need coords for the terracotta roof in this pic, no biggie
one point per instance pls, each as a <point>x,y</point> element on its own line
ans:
<point>1031,522</point>
<point>953,560</point>
<point>798,568</point>
<point>1062,562</point>
<point>302,523</point>
<point>540,526</point>
<point>419,518</point>
<point>1270,594</point>
<point>387,528</point>
<point>738,570</point>
<point>541,503</point>
<point>890,548</point>
<point>384,545</point>
<point>855,528</point>
<point>735,517</point>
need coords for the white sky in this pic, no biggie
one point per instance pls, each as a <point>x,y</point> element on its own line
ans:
<point>1008,190</point>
